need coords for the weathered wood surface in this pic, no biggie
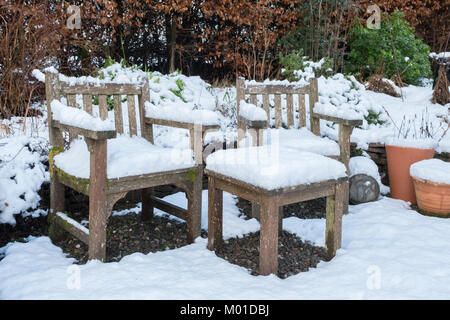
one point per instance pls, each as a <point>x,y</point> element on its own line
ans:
<point>178,124</point>
<point>268,243</point>
<point>313,98</point>
<point>335,210</point>
<point>168,208</point>
<point>278,111</point>
<point>215,214</point>
<point>98,214</point>
<point>103,106</point>
<point>69,225</point>
<point>87,103</point>
<point>91,134</point>
<point>347,122</point>
<point>118,115</point>
<point>256,124</point>
<point>103,89</point>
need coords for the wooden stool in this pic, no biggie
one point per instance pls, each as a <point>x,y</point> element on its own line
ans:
<point>270,201</point>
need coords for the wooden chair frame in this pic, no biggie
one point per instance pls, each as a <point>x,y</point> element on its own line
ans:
<point>104,192</point>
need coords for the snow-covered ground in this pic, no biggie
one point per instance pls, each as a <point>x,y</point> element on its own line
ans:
<point>388,252</point>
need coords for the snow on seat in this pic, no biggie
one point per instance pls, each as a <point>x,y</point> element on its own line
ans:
<point>302,139</point>
<point>270,167</point>
<point>127,156</point>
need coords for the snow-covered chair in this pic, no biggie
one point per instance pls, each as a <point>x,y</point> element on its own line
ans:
<point>291,133</point>
<point>105,162</point>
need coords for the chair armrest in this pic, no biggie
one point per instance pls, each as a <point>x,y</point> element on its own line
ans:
<point>91,134</point>
<point>252,116</point>
<point>346,122</point>
<point>80,122</point>
<point>180,124</point>
<point>253,124</point>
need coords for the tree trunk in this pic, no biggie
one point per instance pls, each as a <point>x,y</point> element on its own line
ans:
<point>173,45</point>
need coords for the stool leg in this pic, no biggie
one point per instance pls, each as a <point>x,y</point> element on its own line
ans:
<point>215,211</point>
<point>333,236</point>
<point>268,252</point>
<point>147,206</point>
<point>256,209</point>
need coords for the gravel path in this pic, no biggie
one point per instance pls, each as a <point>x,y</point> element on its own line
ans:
<point>127,234</point>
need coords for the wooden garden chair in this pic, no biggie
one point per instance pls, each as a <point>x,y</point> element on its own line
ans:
<point>106,163</point>
<point>293,133</point>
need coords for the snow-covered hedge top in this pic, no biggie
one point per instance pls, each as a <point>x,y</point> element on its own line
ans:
<point>434,170</point>
<point>440,55</point>
<point>22,172</point>
<point>296,84</point>
<point>79,118</point>
<point>251,112</point>
<point>412,143</point>
<point>125,76</point>
<point>182,113</point>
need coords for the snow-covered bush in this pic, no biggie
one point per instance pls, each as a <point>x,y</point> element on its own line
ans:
<point>22,172</point>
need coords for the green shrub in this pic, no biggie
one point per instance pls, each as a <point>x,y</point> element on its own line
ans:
<point>296,61</point>
<point>371,50</point>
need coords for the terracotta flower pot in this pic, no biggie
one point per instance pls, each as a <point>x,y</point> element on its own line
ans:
<point>433,198</point>
<point>399,161</point>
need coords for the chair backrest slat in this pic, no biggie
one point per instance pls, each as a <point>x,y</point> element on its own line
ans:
<point>266,105</point>
<point>72,100</point>
<point>132,115</point>
<point>290,109</point>
<point>87,103</point>
<point>118,115</point>
<point>103,106</point>
<point>106,89</point>
<point>278,111</point>
<point>280,92</point>
<point>301,111</point>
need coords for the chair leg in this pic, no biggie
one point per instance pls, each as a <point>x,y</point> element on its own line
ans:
<point>346,195</point>
<point>333,236</point>
<point>194,219</point>
<point>98,217</point>
<point>215,212</point>
<point>147,206</point>
<point>268,252</point>
<point>57,204</point>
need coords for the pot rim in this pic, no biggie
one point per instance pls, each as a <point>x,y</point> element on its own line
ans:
<point>436,184</point>
<point>386,145</point>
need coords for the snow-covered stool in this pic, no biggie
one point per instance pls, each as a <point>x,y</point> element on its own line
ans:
<point>273,179</point>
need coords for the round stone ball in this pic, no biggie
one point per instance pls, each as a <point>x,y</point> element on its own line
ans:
<point>363,188</point>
